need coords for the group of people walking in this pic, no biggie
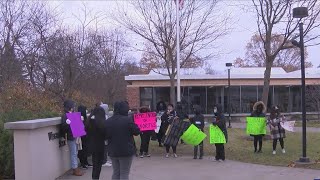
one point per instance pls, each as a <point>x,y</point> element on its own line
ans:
<point>114,136</point>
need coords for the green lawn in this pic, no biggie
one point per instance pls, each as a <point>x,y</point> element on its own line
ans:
<point>241,149</point>
<point>309,124</point>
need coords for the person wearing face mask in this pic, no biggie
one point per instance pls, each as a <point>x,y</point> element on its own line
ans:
<point>166,119</point>
<point>198,121</point>
<point>276,130</point>
<point>219,120</point>
<point>259,110</point>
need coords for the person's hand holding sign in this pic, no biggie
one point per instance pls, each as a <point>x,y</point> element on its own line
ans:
<point>68,121</point>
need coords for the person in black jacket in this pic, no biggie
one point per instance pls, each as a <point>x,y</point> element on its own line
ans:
<point>198,121</point>
<point>83,154</point>
<point>145,137</point>
<point>166,119</point>
<point>65,132</point>
<point>120,131</point>
<point>219,120</point>
<point>97,134</point>
<point>259,110</point>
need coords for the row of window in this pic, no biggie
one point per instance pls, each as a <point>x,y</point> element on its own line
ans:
<point>242,98</point>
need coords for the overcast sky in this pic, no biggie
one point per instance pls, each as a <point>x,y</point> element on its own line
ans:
<point>231,46</point>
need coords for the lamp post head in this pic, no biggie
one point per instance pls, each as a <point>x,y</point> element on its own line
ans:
<point>300,12</point>
<point>229,64</point>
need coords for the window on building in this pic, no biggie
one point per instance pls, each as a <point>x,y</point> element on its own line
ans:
<point>146,94</point>
<point>281,97</point>
<point>248,98</point>
<point>214,96</point>
<point>295,96</point>
<point>197,96</point>
<point>234,99</point>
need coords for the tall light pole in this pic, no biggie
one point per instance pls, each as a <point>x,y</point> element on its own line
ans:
<point>301,12</point>
<point>229,65</point>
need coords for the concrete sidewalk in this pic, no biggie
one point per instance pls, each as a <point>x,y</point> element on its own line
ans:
<point>186,168</point>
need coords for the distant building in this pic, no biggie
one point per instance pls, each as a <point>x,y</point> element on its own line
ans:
<point>206,90</point>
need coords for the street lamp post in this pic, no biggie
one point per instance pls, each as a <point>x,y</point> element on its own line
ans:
<point>301,12</point>
<point>229,65</point>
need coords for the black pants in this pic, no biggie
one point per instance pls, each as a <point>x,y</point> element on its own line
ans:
<point>174,149</point>
<point>275,141</point>
<point>83,154</point>
<point>97,159</point>
<point>145,140</point>
<point>195,151</point>
<point>159,137</point>
<point>256,139</point>
<point>105,155</point>
<point>220,152</point>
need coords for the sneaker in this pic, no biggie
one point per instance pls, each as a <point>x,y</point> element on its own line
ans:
<point>147,154</point>
<point>175,155</point>
<point>195,157</point>
<point>274,152</point>
<point>283,151</point>
<point>89,165</point>
<point>83,167</point>
<point>167,155</point>
<point>214,159</point>
<point>220,160</point>
<point>107,164</point>
<point>141,155</point>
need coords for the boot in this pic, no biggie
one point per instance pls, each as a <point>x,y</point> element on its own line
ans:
<point>77,172</point>
<point>195,152</point>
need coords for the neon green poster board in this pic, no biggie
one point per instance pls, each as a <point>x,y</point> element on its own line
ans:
<point>256,125</point>
<point>216,135</point>
<point>193,136</point>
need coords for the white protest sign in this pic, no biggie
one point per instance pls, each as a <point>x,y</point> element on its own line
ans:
<point>288,125</point>
<point>158,124</point>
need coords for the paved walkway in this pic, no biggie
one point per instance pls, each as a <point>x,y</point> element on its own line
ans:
<point>186,168</point>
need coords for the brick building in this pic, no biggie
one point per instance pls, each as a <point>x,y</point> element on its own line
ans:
<point>206,90</point>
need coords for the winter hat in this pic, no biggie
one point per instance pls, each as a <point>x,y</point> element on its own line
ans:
<point>68,105</point>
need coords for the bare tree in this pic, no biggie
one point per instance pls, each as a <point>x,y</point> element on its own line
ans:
<point>275,17</point>
<point>155,22</point>
<point>289,59</point>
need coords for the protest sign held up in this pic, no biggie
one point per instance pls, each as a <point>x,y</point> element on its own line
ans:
<point>256,125</point>
<point>146,121</point>
<point>288,125</point>
<point>216,135</point>
<point>76,125</point>
<point>193,136</point>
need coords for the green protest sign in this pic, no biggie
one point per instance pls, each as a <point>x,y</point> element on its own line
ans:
<point>216,135</point>
<point>256,125</point>
<point>193,136</point>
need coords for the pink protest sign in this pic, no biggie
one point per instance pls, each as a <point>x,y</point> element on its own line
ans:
<point>146,121</point>
<point>77,126</point>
